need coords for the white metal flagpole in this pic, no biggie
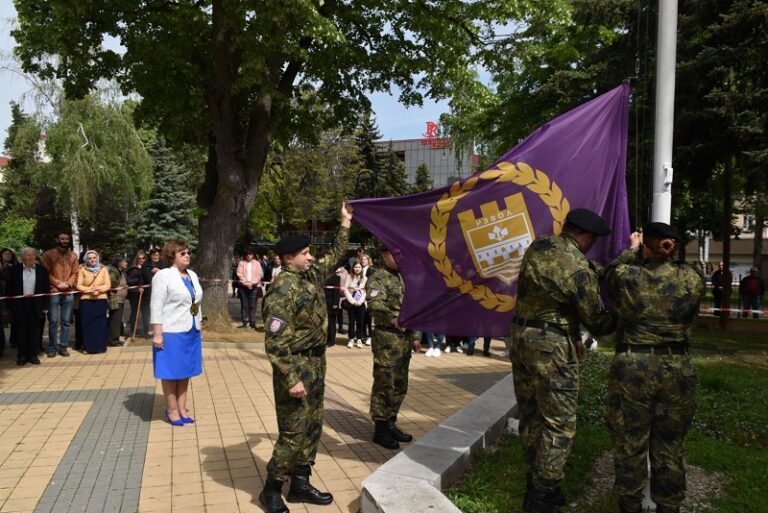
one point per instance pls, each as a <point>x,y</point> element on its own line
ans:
<point>665,111</point>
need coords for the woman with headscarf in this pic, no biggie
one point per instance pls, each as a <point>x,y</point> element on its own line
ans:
<point>93,283</point>
<point>652,379</point>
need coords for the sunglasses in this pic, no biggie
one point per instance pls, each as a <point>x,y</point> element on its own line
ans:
<point>185,252</point>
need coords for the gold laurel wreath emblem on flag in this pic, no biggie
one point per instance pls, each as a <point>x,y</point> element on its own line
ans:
<point>521,174</point>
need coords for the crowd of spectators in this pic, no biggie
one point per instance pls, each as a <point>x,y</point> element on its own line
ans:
<point>72,289</point>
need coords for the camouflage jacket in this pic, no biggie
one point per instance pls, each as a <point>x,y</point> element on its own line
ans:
<point>384,295</point>
<point>295,314</point>
<point>557,284</point>
<point>656,302</point>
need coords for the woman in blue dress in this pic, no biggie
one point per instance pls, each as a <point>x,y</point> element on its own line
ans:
<point>177,330</point>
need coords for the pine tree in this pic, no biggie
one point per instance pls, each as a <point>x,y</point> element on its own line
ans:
<point>19,176</point>
<point>366,137</point>
<point>392,179</point>
<point>169,212</point>
<point>423,181</point>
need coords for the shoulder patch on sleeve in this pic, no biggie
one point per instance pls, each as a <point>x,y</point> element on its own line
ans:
<point>375,292</point>
<point>285,286</point>
<point>275,325</point>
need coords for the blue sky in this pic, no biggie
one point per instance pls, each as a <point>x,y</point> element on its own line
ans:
<point>394,120</point>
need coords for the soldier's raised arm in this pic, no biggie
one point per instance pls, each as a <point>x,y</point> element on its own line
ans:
<point>339,247</point>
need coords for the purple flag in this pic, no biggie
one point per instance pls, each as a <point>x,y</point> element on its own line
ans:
<point>459,248</point>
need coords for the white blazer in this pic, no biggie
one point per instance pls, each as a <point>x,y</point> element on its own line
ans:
<point>171,301</point>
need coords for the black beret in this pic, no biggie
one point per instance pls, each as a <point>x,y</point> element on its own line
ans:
<point>588,221</point>
<point>291,244</point>
<point>659,231</point>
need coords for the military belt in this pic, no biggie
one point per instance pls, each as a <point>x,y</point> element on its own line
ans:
<point>315,351</point>
<point>660,349</point>
<point>542,325</point>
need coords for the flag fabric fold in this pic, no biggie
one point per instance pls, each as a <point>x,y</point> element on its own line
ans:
<point>459,248</point>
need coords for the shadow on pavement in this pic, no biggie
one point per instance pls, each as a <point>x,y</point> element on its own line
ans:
<point>237,466</point>
<point>140,404</point>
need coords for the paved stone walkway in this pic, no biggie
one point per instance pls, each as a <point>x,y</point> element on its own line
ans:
<point>87,433</point>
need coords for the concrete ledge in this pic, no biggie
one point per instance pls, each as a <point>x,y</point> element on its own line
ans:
<point>389,493</point>
<point>440,457</point>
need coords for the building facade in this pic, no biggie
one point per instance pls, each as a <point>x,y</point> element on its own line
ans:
<point>439,154</point>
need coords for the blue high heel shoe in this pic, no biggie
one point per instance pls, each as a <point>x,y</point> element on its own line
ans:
<point>179,422</point>
<point>187,420</point>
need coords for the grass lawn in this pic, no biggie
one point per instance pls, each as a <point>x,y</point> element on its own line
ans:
<point>729,435</point>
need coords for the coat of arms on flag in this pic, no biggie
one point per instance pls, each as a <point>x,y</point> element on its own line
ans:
<point>498,238</point>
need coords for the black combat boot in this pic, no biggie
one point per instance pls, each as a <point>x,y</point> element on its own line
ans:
<point>383,436</point>
<point>667,509</point>
<point>271,496</point>
<point>302,491</point>
<point>396,433</point>
<point>543,500</point>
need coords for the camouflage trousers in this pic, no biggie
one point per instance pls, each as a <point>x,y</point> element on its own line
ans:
<point>299,421</point>
<point>391,359</point>
<point>650,409</point>
<point>546,376</point>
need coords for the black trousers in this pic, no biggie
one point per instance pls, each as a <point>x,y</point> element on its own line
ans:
<point>331,332</point>
<point>26,331</point>
<point>356,321</point>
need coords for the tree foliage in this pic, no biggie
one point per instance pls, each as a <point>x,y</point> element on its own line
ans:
<point>307,181</point>
<point>22,143</point>
<point>392,178</point>
<point>423,181</point>
<point>246,70</point>
<point>16,233</point>
<point>721,99</point>
<point>169,212</point>
<point>94,149</point>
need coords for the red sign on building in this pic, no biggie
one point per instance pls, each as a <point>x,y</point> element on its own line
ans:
<point>432,137</point>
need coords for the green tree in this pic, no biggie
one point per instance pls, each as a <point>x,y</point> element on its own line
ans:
<point>423,181</point>
<point>542,70</point>
<point>392,177</point>
<point>16,233</point>
<point>245,68</point>
<point>19,176</point>
<point>96,151</point>
<point>169,212</point>
<point>367,134</point>
<point>307,181</point>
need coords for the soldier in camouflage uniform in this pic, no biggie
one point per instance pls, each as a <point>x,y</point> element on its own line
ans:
<point>391,351</point>
<point>557,291</point>
<point>652,379</point>
<point>295,321</point>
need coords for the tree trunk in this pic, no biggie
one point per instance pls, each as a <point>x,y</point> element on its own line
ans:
<point>219,230</point>
<point>726,235</point>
